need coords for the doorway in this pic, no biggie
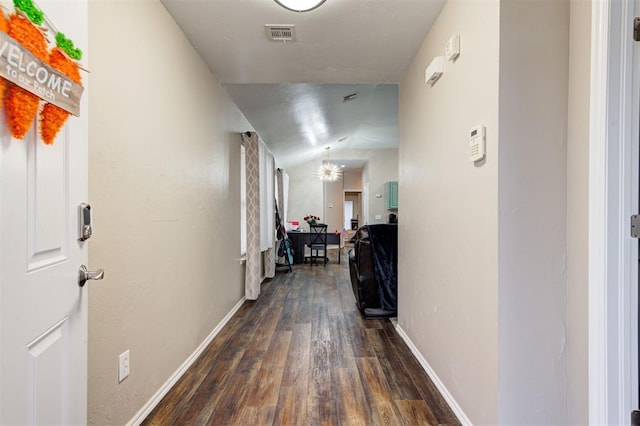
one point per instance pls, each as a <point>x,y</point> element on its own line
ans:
<point>352,209</point>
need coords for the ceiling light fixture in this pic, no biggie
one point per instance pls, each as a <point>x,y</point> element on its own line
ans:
<point>329,172</point>
<point>300,5</point>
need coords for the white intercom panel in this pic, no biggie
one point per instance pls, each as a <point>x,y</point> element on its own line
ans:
<point>477,143</point>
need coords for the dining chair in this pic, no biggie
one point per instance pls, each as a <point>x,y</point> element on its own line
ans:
<point>317,242</point>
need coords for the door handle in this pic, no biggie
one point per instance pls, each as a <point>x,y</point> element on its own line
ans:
<point>84,275</point>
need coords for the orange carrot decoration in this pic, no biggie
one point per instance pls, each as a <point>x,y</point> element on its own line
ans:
<point>52,118</point>
<point>22,106</point>
<point>3,28</point>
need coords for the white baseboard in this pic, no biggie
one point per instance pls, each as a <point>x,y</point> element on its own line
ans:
<point>455,407</point>
<point>166,387</point>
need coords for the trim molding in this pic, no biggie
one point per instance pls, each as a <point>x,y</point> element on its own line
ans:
<point>455,407</point>
<point>597,193</point>
<point>166,387</point>
<point>613,197</point>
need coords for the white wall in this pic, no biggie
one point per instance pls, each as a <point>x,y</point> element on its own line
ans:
<point>164,185</point>
<point>381,167</point>
<point>483,290</point>
<point>577,213</point>
<point>448,221</point>
<point>352,180</point>
<point>532,216</point>
<point>305,192</point>
<point>333,205</point>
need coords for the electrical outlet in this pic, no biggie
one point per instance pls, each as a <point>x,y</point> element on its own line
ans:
<point>123,365</point>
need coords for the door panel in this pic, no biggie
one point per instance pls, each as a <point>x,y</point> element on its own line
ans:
<point>43,316</point>
<point>46,366</point>
<point>47,199</point>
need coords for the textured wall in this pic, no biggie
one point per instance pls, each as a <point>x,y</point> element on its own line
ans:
<point>333,205</point>
<point>534,72</point>
<point>448,209</point>
<point>164,185</point>
<point>381,167</point>
<point>305,192</point>
<point>577,213</point>
<point>352,180</point>
<point>483,247</point>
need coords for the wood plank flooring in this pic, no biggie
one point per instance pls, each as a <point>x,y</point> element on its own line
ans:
<point>302,355</point>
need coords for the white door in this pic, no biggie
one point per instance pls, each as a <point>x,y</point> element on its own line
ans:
<point>43,311</point>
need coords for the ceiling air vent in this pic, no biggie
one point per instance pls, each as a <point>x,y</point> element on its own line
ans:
<point>281,32</point>
<point>350,97</point>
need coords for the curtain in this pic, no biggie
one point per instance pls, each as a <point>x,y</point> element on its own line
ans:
<point>253,264</point>
<point>260,213</point>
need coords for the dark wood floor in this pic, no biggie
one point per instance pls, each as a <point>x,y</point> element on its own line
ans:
<point>302,355</point>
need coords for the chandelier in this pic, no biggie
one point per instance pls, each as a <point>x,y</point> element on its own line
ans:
<point>329,172</point>
<point>300,5</point>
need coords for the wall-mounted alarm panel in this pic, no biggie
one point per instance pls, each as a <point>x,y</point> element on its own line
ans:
<point>452,48</point>
<point>477,143</point>
<point>434,70</point>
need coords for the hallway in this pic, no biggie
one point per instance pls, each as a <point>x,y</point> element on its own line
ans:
<point>302,355</point>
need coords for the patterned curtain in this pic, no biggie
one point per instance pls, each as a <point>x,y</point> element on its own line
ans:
<point>270,253</point>
<point>254,258</point>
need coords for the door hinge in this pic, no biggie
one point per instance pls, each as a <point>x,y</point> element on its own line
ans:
<point>635,226</point>
<point>635,418</point>
<point>636,29</point>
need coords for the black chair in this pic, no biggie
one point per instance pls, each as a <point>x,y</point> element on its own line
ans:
<point>373,266</point>
<point>317,242</point>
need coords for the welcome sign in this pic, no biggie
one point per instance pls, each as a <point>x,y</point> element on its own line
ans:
<point>24,69</point>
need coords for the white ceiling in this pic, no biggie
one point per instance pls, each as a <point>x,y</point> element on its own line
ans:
<point>298,120</point>
<point>344,46</point>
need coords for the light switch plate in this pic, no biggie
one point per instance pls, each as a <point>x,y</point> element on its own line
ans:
<point>123,365</point>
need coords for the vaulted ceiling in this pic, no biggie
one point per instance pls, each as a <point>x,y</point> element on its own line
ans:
<point>293,93</point>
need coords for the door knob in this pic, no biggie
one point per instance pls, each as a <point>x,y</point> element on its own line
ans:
<point>84,275</point>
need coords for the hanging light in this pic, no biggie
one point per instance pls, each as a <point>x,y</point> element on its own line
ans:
<point>300,5</point>
<point>328,171</point>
